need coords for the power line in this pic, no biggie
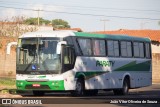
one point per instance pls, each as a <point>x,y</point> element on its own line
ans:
<point>17,8</point>
<point>82,13</point>
<point>84,7</point>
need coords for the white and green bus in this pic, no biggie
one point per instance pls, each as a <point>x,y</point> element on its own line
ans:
<point>82,63</point>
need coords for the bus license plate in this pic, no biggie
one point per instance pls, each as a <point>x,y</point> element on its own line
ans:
<point>36,85</point>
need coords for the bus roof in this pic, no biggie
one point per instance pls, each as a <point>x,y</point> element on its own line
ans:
<point>111,36</point>
<point>61,33</point>
<point>65,33</point>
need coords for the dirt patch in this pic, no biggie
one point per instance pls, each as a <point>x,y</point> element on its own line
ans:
<point>8,95</point>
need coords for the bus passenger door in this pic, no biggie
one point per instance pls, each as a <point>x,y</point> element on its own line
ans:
<point>68,58</point>
<point>68,62</point>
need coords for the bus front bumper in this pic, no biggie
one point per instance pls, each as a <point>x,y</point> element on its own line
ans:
<point>56,85</point>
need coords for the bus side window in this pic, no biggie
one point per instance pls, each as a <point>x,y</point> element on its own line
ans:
<point>99,48</point>
<point>85,46</point>
<point>147,50</point>
<point>141,46</point>
<point>68,58</point>
<point>138,48</point>
<point>126,49</point>
<point>113,48</point>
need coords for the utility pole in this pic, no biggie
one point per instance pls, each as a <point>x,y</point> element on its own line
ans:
<point>38,16</point>
<point>104,24</point>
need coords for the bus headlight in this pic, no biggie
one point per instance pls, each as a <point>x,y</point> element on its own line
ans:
<point>20,83</point>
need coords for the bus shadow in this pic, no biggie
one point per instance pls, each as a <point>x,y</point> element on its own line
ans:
<point>101,94</point>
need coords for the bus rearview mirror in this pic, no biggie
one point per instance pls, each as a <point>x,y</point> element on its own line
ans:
<point>59,46</point>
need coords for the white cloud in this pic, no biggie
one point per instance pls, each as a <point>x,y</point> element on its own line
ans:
<point>8,13</point>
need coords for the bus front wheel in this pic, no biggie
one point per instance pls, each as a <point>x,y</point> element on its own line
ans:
<point>79,90</point>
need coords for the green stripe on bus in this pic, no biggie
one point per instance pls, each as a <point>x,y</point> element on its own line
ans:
<point>52,85</point>
<point>114,37</point>
<point>132,66</point>
<point>89,74</point>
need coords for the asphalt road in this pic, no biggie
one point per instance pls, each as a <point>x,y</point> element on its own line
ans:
<point>145,92</point>
<point>147,95</point>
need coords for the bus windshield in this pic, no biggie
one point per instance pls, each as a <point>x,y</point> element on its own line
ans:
<point>37,56</point>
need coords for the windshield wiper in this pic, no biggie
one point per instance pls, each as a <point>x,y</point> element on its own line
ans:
<point>29,64</point>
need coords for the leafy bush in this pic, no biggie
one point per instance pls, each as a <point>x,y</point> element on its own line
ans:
<point>7,81</point>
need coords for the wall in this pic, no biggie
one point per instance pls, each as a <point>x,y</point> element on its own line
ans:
<point>156,48</point>
<point>156,67</point>
<point>7,62</point>
<point>156,62</point>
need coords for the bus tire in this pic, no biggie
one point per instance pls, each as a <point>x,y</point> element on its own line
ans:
<point>124,90</point>
<point>79,90</point>
<point>38,93</point>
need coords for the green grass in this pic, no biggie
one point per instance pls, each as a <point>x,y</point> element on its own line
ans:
<point>7,83</point>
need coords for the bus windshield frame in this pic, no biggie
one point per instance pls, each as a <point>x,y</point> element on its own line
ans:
<point>37,55</point>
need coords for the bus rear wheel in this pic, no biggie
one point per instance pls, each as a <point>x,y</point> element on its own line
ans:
<point>124,90</point>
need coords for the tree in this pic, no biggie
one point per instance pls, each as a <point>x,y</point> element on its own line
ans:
<point>14,27</point>
<point>59,23</point>
<point>34,21</point>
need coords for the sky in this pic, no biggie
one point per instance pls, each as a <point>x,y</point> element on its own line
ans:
<point>89,15</point>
